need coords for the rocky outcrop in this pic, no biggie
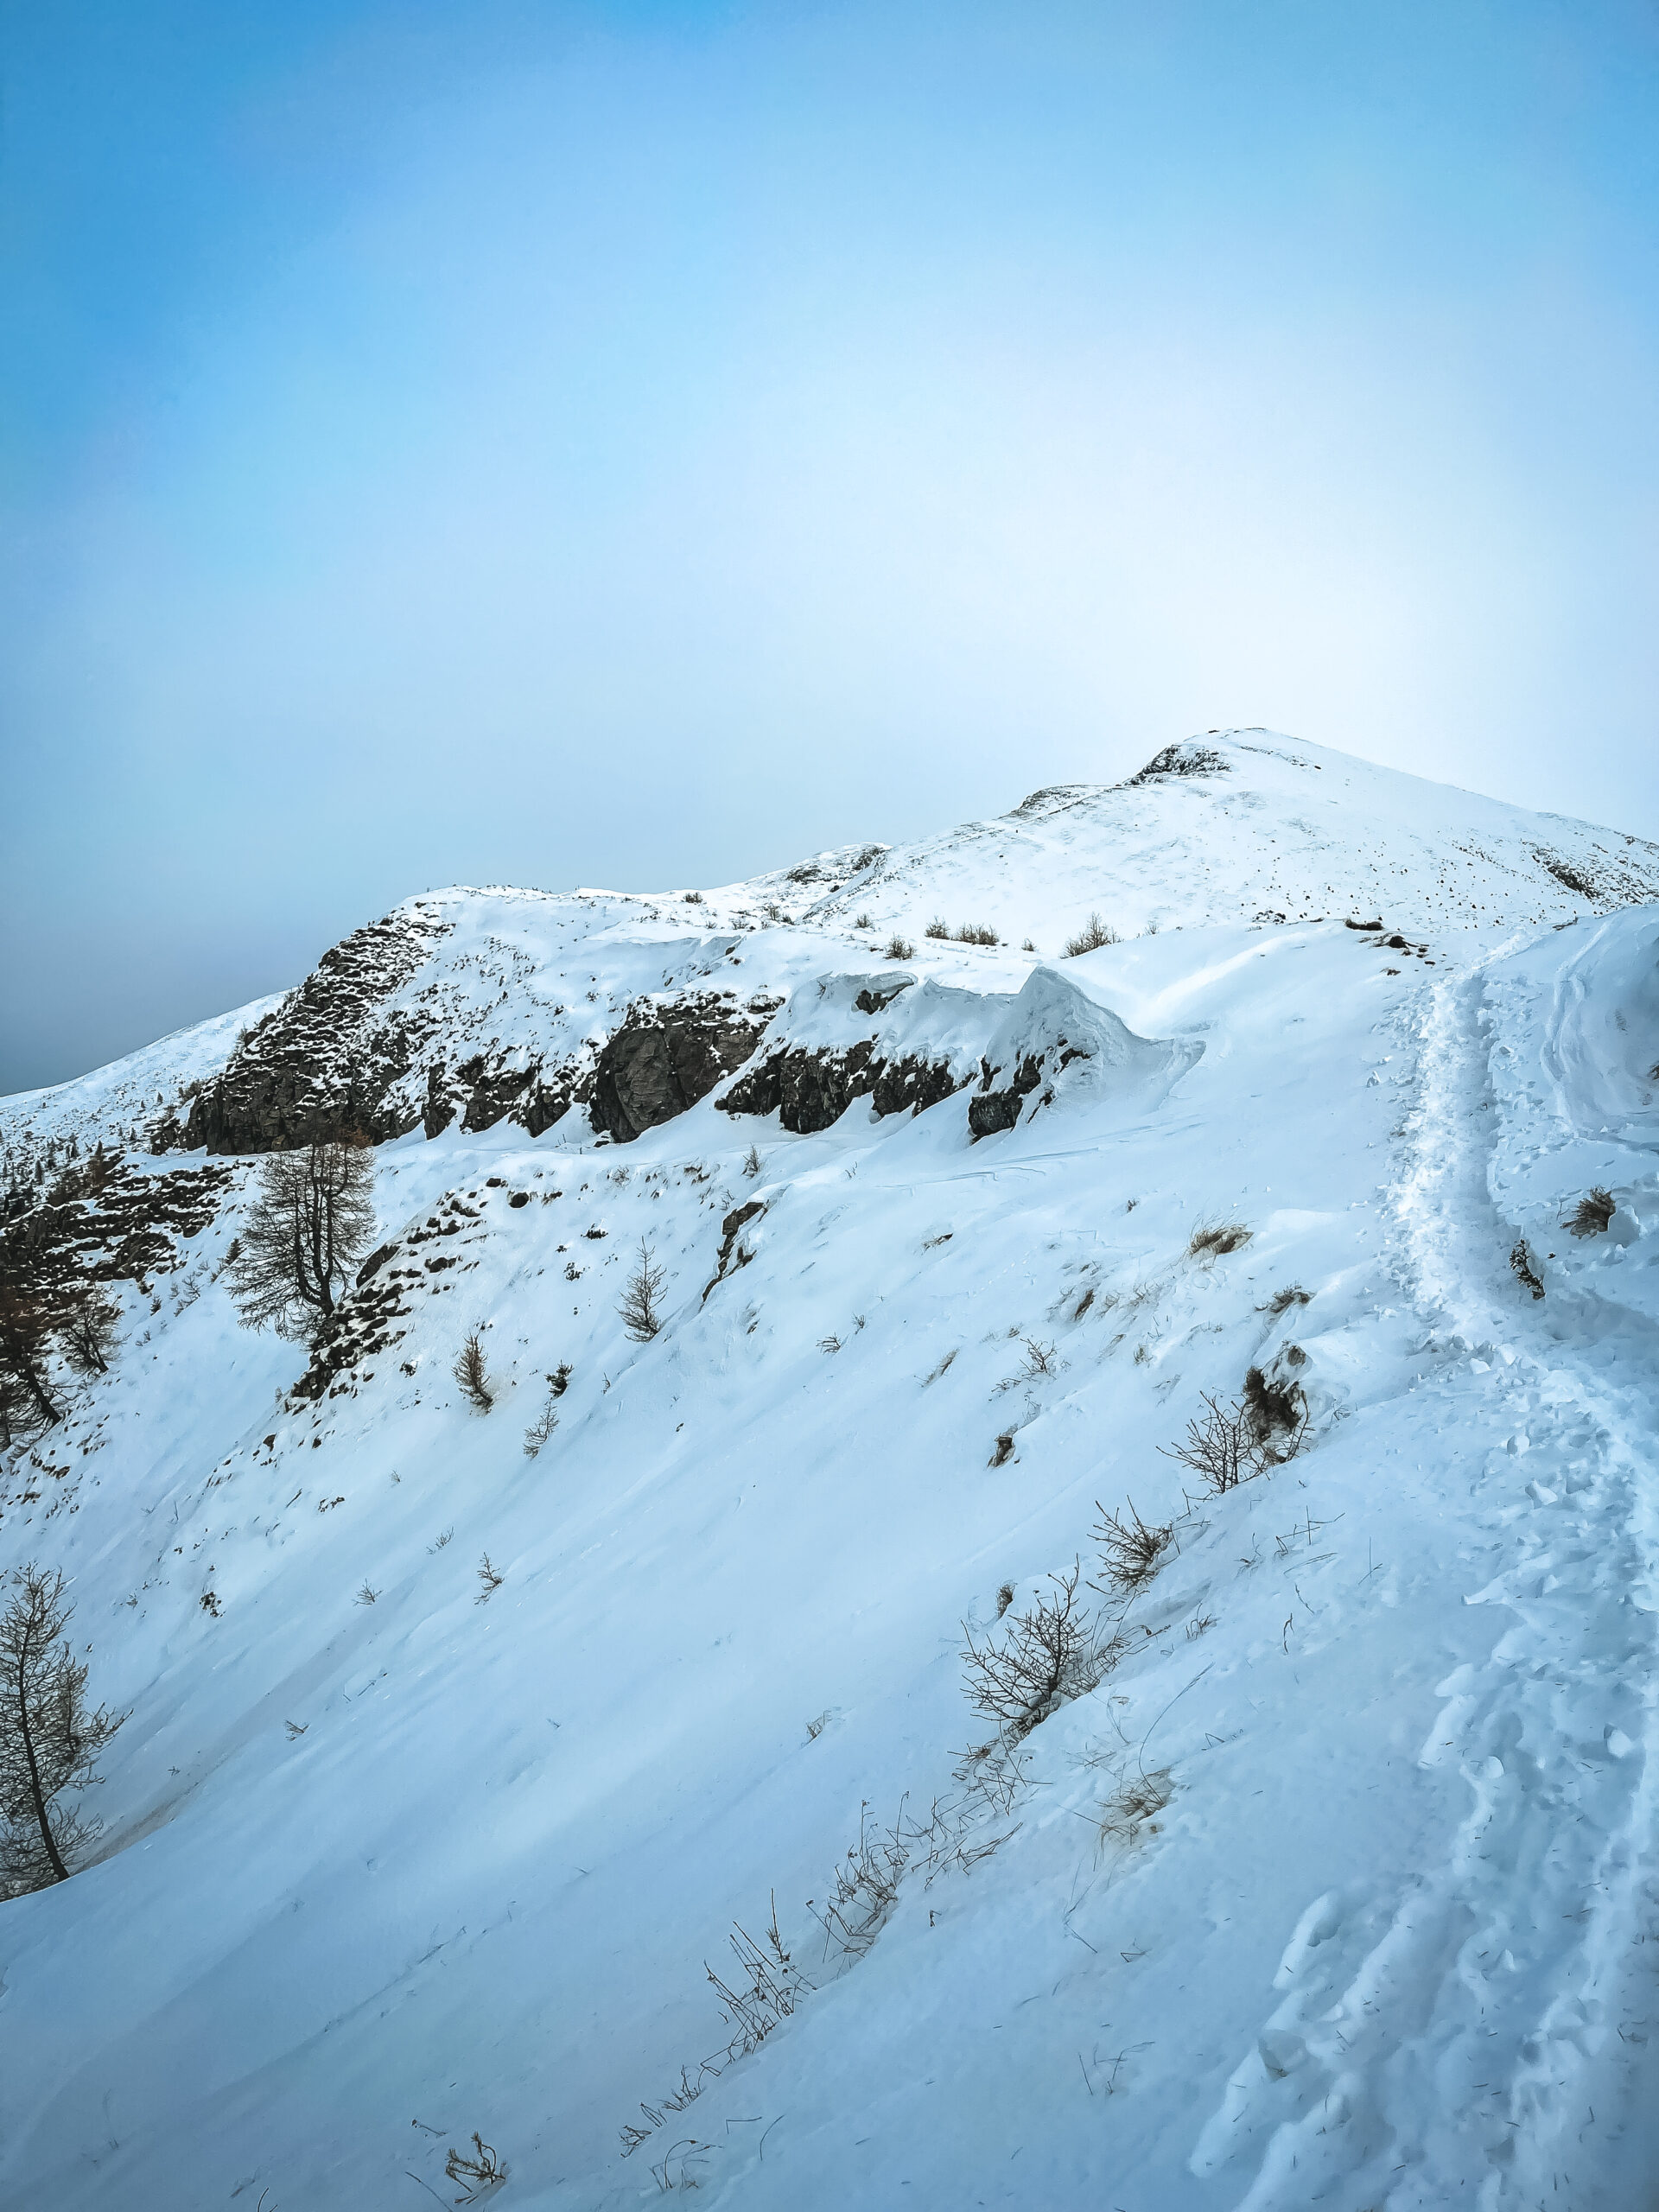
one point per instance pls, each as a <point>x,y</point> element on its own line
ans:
<point>666,1057</point>
<point>1190,759</point>
<point>326,1060</point>
<point>106,1221</point>
<point>989,1110</point>
<point>811,1088</point>
<point>733,1255</point>
<point>1055,1042</point>
<point>345,1052</point>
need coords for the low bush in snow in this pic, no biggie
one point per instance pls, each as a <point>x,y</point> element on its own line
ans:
<point>1523,1269</point>
<point>1134,1807</point>
<point>1131,1550</point>
<point>1276,1412</point>
<point>1592,1215</point>
<point>540,1429</point>
<point>1041,1659</point>
<point>483,2171</point>
<point>1089,938</point>
<point>1213,1240</point>
<point>1221,1448</point>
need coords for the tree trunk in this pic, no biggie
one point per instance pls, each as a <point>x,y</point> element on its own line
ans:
<point>60,1872</point>
<point>25,1366</point>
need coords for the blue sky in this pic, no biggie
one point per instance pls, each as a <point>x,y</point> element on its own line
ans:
<point>638,445</point>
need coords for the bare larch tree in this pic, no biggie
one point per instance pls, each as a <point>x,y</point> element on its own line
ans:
<point>312,1220</point>
<point>472,1375</point>
<point>642,1316</point>
<point>49,1742</point>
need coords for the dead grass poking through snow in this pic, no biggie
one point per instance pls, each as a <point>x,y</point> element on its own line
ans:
<point>1213,1240</point>
<point>1131,1812</point>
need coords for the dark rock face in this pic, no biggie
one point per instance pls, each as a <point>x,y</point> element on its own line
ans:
<point>810,1090</point>
<point>495,1091</point>
<point>1188,759</point>
<point>365,1322</point>
<point>913,1086</point>
<point>336,1056</point>
<point>875,996</point>
<point>991,1110</point>
<point>326,1058</point>
<point>440,1109</point>
<point>733,1255</point>
<point>105,1221</point>
<point>482,1090</point>
<point>664,1059</point>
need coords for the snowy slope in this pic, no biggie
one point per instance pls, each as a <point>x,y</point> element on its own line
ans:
<point>1336,1890</point>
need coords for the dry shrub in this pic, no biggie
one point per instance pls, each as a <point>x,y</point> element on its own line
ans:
<point>865,1885</point>
<point>1131,1550</point>
<point>1592,1215</point>
<point>484,2170</point>
<point>900,948</point>
<point>1277,1413</point>
<point>769,1986</point>
<point>1221,1448</point>
<point>1522,1267</point>
<point>1089,938</point>
<point>1047,1655</point>
<point>1213,1239</point>
<point>1040,1363</point>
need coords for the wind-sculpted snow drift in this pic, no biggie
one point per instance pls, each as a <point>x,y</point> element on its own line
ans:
<point>1309,1859</point>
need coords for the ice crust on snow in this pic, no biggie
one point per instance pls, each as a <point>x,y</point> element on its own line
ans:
<point>1339,1889</point>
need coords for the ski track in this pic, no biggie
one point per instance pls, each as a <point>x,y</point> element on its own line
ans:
<point>1484,2040</point>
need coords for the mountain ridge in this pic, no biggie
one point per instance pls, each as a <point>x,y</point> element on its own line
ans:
<point>467,1004</point>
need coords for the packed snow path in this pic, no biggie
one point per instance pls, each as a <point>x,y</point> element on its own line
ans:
<point>1464,2036</point>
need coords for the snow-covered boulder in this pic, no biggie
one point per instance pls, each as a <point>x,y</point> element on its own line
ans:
<point>1055,1044</point>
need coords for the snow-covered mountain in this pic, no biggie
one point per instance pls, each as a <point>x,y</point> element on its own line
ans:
<point>1321,1874</point>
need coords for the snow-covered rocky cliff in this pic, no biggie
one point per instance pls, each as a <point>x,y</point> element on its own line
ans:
<point>1322,1874</point>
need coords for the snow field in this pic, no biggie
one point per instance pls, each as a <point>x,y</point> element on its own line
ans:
<point>1337,1892</point>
